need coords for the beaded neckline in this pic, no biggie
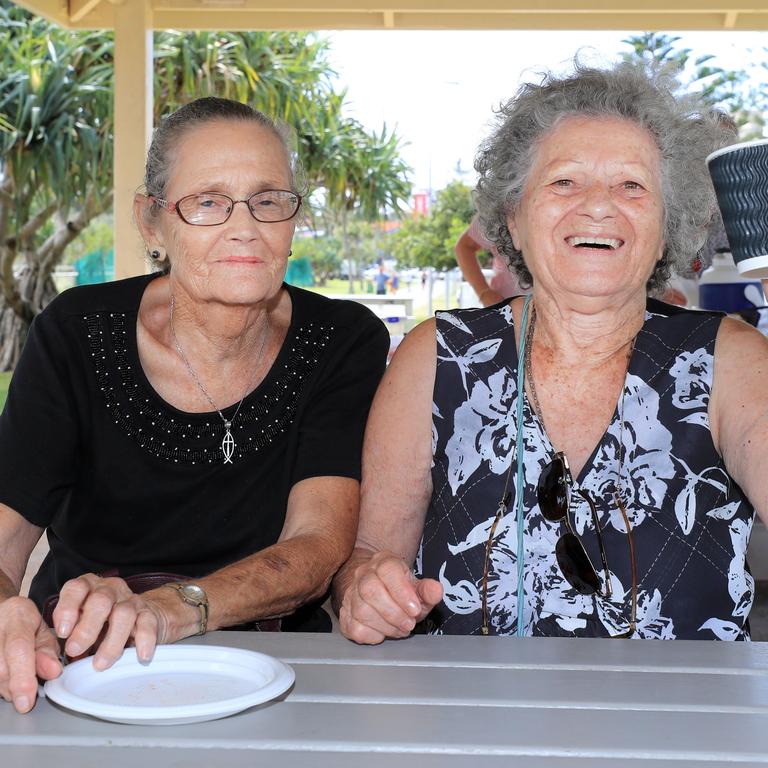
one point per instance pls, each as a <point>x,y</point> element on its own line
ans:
<point>193,438</point>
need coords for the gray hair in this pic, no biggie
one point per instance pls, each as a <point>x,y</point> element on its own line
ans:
<point>172,128</point>
<point>684,129</point>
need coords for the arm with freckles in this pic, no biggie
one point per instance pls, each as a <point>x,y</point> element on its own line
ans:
<point>466,257</point>
<point>316,538</point>
<point>317,535</point>
<point>739,408</point>
<point>28,648</point>
<point>375,593</point>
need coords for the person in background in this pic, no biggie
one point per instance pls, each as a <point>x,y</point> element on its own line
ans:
<point>380,281</point>
<point>503,284</point>
<point>196,430</point>
<point>586,461</point>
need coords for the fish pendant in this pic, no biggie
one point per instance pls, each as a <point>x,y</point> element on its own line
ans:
<point>228,443</point>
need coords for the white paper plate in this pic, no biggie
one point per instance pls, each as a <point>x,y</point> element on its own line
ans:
<point>182,684</point>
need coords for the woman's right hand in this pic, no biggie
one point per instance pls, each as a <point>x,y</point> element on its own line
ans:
<point>384,599</point>
<point>28,650</point>
<point>101,615</point>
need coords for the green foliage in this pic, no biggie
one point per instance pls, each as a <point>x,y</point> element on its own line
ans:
<point>366,244</point>
<point>56,108</point>
<point>323,252</point>
<point>732,91</point>
<point>367,173</point>
<point>5,382</point>
<point>288,76</point>
<point>429,240</point>
<point>56,98</point>
<point>99,235</point>
<point>56,136</point>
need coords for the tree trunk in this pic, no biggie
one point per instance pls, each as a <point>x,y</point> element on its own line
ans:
<point>37,290</point>
<point>345,249</point>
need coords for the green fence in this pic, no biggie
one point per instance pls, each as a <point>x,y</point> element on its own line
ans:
<point>5,380</point>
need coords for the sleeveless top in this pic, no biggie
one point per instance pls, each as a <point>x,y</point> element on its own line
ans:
<point>690,521</point>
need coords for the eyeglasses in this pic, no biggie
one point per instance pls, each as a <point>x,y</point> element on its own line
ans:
<point>553,492</point>
<point>209,209</point>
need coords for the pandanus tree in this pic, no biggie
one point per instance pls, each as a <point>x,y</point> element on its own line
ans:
<point>56,131</point>
<point>367,179</point>
<point>55,144</point>
<point>733,91</point>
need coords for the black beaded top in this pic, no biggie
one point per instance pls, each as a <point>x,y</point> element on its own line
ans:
<point>123,480</point>
<point>174,436</point>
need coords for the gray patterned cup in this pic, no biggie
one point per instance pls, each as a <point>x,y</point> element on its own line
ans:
<point>740,176</point>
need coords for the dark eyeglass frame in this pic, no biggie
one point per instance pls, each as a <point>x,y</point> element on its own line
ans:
<point>502,510</point>
<point>553,492</point>
<point>173,207</point>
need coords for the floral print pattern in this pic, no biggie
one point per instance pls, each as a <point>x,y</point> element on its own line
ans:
<point>690,522</point>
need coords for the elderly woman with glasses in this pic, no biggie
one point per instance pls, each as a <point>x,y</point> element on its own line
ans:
<point>585,462</point>
<point>200,426</point>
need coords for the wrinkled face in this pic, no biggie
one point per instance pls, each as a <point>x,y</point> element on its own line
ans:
<point>243,260</point>
<point>590,221</point>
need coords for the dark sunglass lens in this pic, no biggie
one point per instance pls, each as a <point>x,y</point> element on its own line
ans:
<point>575,565</point>
<point>552,491</point>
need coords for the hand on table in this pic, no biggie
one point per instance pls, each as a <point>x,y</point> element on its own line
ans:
<point>384,599</point>
<point>103,613</point>
<point>28,650</point>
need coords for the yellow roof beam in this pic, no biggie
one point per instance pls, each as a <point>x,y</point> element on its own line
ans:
<point>418,14</point>
<point>79,9</point>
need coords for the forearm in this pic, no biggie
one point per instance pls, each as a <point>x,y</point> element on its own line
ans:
<point>17,540</point>
<point>466,258</point>
<point>749,467</point>
<point>344,578</point>
<point>7,587</point>
<point>273,582</point>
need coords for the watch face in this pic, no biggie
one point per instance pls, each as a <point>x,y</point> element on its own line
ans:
<point>193,592</point>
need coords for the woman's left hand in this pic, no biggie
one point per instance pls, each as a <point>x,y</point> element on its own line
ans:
<point>104,613</point>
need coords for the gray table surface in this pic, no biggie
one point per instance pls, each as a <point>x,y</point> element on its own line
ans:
<point>448,701</point>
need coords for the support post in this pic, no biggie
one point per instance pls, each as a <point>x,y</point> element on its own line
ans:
<point>133,125</point>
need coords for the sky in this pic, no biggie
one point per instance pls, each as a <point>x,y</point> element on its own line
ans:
<point>438,89</point>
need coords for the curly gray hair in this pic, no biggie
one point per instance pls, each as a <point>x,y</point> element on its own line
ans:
<point>683,127</point>
<point>172,128</point>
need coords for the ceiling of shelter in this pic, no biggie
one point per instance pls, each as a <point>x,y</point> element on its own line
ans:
<point>419,14</point>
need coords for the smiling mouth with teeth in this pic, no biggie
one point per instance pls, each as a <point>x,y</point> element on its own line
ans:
<point>601,243</point>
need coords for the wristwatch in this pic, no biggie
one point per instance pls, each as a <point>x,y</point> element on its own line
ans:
<point>193,594</point>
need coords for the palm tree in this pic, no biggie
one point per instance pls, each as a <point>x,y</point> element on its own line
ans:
<point>56,101</point>
<point>284,74</point>
<point>726,89</point>
<point>56,133</point>
<point>365,176</point>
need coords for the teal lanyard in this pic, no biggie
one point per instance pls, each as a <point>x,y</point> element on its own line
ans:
<point>519,488</point>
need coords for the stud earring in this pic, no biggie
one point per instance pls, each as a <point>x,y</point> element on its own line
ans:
<point>154,255</point>
<point>290,253</point>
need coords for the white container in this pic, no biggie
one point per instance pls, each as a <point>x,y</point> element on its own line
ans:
<point>724,289</point>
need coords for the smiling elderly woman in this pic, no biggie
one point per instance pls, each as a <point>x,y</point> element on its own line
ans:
<point>204,422</point>
<point>585,462</point>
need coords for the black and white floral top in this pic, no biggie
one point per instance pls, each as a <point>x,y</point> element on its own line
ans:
<point>690,521</point>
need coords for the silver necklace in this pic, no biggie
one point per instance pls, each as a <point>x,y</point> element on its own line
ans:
<point>228,444</point>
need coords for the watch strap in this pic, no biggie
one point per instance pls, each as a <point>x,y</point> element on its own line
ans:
<point>200,603</point>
